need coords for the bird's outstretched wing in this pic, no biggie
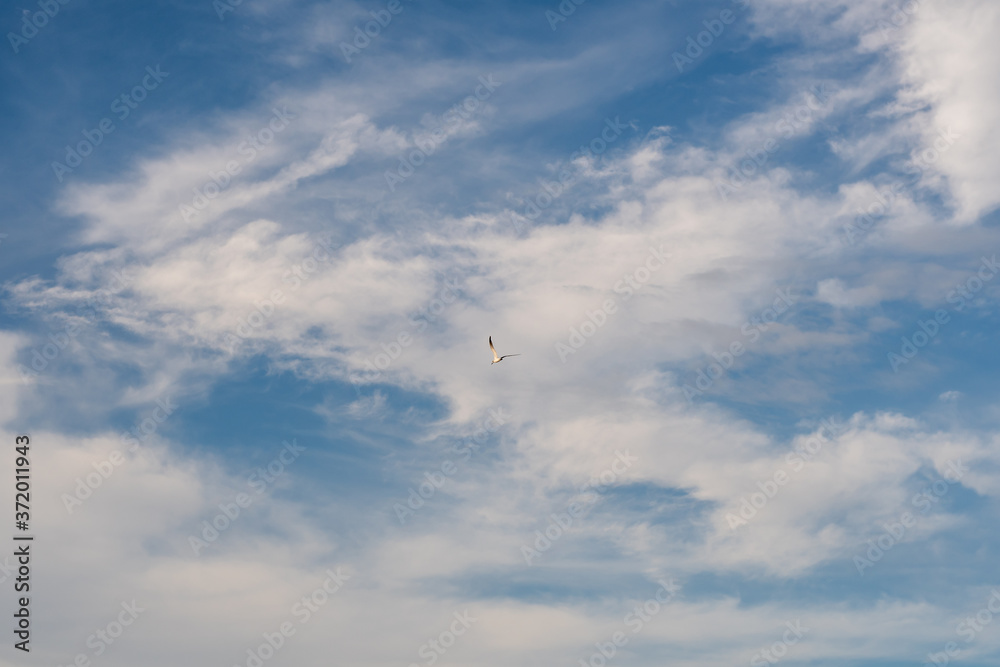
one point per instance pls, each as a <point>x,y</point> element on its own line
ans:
<point>495,357</point>
<point>510,355</point>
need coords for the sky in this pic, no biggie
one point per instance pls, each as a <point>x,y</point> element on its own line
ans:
<point>251,253</point>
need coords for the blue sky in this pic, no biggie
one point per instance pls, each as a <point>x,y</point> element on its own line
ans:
<point>246,330</point>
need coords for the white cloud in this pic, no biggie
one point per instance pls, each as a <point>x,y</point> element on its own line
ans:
<point>194,284</point>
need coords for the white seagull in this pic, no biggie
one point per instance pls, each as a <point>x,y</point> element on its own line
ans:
<point>497,359</point>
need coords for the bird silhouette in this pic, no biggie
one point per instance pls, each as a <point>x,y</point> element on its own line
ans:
<point>498,359</point>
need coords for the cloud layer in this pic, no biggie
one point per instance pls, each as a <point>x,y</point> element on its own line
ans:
<point>706,274</point>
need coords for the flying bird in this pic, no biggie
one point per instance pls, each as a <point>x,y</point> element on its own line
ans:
<point>497,359</point>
